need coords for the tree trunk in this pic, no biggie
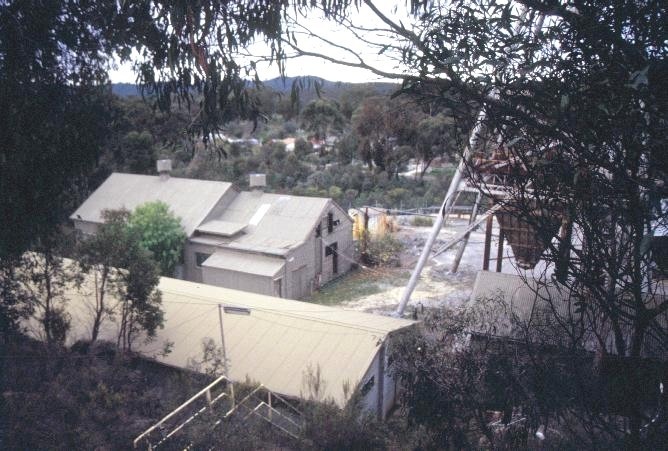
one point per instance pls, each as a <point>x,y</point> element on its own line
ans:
<point>99,304</point>
<point>427,163</point>
<point>47,320</point>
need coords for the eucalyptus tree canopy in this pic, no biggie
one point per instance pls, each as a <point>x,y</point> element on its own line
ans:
<point>575,95</point>
<point>382,126</point>
<point>322,117</point>
<point>54,59</point>
<point>436,137</point>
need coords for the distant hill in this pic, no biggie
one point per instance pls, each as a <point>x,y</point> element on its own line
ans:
<point>125,89</point>
<point>331,89</point>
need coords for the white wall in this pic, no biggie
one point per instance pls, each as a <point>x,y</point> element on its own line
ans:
<point>370,401</point>
<point>191,271</point>
<point>238,280</point>
<point>85,227</point>
<point>300,262</point>
<point>343,236</point>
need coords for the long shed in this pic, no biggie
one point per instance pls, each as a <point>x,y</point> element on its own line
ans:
<point>277,342</point>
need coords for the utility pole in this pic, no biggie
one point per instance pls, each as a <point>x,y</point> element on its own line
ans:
<point>222,343</point>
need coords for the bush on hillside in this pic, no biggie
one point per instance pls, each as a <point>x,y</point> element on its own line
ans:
<point>382,251</point>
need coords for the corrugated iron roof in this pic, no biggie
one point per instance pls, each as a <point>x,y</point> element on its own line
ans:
<point>261,265</point>
<point>543,311</point>
<point>222,228</point>
<point>191,200</point>
<point>271,223</point>
<point>279,221</point>
<point>277,344</point>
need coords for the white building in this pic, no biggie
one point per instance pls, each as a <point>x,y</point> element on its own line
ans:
<point>279,245</point>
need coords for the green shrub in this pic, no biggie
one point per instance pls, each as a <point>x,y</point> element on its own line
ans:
<point>422,221</point>
<point>382,251</point>
<point>160,232</point>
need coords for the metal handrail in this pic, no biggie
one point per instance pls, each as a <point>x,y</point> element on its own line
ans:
<point>235,406</point>
<point>167,417</point>
<point>193,416</point>
<point>270,421</point>
<point>260,387</point>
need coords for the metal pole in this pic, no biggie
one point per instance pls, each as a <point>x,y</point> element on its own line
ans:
<point>465,241</point>
<point>454,184</point>
<point>222,339</point>
<point>499,251</point>
<point>443,212</point>
<point>488,243</point>
<point>460,236</point>
<point>222,343</point>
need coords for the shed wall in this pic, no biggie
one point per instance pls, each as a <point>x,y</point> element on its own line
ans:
<point>343,236</point>
<point>85,227</point>
<point>193,272</point>
<point>300,271</point>
<point>370,400</point>
<point>238,281</point>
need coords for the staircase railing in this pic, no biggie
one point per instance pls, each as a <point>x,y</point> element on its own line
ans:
<point>205,393</point>
<point>287,419</point>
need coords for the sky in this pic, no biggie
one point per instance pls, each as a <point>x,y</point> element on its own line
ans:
<point>306,65</point>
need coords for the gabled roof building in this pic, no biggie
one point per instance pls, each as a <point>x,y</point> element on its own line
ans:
<point>279,245</point>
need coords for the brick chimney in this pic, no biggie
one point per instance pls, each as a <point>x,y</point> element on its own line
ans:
<point>164,168</point>
<point>257,181</point>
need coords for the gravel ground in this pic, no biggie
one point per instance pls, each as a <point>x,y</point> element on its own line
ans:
<point>438,286</point>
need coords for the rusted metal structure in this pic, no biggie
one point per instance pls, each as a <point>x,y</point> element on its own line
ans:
<point>498,174</point>
<point>527,245</point>
<point>493,170</point>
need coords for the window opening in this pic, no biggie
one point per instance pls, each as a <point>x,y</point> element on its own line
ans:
<point>200,257</point>
<point>330,222</point>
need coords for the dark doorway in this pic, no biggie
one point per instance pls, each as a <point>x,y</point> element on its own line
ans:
<point>335,258</point>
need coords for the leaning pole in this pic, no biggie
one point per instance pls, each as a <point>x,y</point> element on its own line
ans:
<point>448,201</point>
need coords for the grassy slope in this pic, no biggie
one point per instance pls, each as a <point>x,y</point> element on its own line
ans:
<point>358,284</point>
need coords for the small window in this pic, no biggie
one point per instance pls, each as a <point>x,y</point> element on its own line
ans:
<point>200,257</point>
<point>330,222</point>
<point>331,249</point>
<point>318,231</point>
